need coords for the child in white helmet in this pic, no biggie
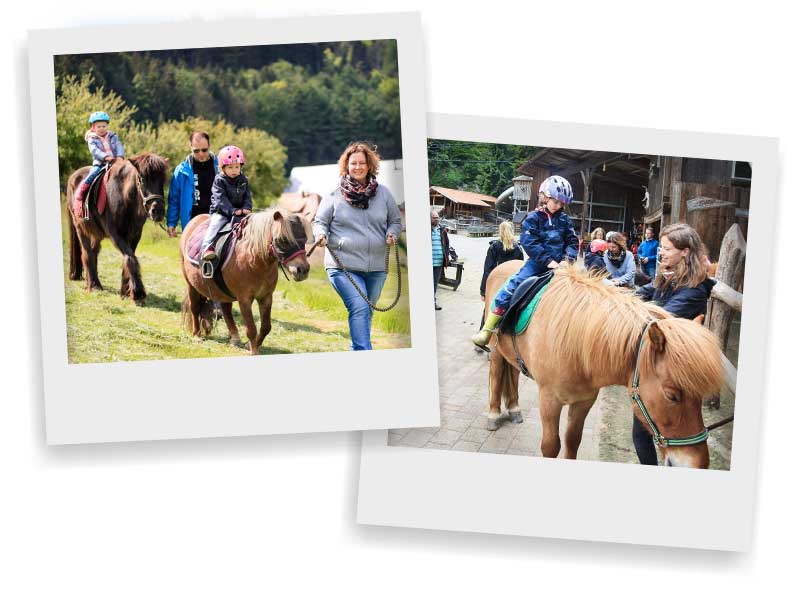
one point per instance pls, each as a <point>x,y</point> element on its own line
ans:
<point>230,196</point>
<point>548,236</point>
<point>105,147</point>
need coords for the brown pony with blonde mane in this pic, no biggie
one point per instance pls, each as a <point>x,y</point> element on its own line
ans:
<point>269,239</point>
<point>585,335</point>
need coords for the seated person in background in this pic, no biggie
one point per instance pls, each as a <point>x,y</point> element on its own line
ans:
<point>593,259</point>
<point>619,261</point>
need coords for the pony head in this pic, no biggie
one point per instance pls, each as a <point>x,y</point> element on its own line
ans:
<point>679,366</point>
<point>282,236</point>
<point>153,171</point>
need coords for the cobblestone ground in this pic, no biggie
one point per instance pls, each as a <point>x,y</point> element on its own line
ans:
<point>463,389</point>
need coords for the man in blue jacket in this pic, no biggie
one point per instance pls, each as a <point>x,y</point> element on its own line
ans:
<point>190,188</point>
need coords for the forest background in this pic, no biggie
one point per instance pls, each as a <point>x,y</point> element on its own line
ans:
<point>284,105</point>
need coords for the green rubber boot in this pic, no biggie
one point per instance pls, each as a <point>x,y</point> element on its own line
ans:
<point>481,338</point>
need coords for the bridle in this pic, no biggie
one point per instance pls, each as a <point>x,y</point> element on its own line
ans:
<point>658,438</point>
<point>147,198</point>
<point>282,260</point>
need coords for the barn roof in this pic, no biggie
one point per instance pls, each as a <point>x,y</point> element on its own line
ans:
<point>626,169</point>
<point>464,197</point>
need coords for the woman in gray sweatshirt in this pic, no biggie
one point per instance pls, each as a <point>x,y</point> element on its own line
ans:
<point>358,220</point>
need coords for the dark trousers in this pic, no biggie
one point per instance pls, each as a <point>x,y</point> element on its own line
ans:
<point>643,443</point>
<point>437,274</point>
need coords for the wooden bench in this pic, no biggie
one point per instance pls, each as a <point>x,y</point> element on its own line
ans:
<point>454,283</point>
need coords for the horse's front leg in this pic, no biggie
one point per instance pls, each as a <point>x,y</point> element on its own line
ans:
<point>265,311</point>
<point>246,308</point>
<point>550,409</point>
<point>575,419</point>
<point>227,315</point>
<point>497,365</point>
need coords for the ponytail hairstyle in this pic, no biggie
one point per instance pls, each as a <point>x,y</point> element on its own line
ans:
<point>507,235</point>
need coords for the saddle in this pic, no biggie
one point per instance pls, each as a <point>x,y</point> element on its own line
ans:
<point>523,304</point>
<point>96,195</point>
<point>223,244</point>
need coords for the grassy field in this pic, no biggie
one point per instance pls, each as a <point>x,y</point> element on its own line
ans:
<point>306,317</point>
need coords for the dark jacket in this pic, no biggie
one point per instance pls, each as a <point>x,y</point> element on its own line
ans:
<point>548,237</point>
<point>594,260</point>
<point>228,195</point>
<point>685,302</point>
<point>495,256</point>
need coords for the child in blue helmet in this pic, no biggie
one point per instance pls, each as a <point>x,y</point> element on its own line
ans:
<point>104,147</point>
<point>548,236</point>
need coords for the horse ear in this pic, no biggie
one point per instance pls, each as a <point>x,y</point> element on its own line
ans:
<point>657,337</point>
<point>277,215</point>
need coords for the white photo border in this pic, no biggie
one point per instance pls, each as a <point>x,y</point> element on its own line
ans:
<point>599,501</point>
<point>273,394</point>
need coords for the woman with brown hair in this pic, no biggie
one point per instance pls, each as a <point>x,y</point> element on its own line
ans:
<point>682,287</point>
<point>358,220</point>
<point>619,261</point>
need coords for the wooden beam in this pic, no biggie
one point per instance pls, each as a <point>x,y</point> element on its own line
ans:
<point>727,295</point>
<point>730,271</point>
<point>619,181</point>
<point>730,374</point>
<point>595,160</point>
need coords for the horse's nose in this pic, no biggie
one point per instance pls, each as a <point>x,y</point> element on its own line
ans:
<point>300,271</point>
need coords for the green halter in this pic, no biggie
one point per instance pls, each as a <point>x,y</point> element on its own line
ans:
<point>658,438</point>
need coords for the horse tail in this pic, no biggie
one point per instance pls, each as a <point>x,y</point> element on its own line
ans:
<point>75,262</point>
<point>207,312</point>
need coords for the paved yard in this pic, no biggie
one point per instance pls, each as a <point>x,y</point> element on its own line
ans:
<point>463,389</point>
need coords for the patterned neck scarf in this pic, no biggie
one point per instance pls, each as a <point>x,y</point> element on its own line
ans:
<point>357,194</point>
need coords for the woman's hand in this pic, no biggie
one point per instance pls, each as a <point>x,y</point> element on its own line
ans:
<point>390,239</point>
<point>322,241</point>
<point>483,298</point>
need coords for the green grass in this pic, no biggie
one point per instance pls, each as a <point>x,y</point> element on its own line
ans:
<point>306,317</point>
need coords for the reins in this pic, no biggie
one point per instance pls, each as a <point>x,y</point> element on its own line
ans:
<point>355,285</point>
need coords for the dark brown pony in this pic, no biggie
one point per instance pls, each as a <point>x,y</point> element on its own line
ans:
<point>135,192</point>
<point>269,239</point>
<point>585,335</point>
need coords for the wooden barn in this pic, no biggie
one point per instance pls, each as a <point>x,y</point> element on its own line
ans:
<point>625,191</point>
<point>455,204</point>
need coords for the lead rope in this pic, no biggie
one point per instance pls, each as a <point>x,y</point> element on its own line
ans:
<point>386,267</point>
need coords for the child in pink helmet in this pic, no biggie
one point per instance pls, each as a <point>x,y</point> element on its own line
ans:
<point>230,196</point>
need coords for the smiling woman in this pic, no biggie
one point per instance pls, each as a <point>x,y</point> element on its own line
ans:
<point>359,220</point>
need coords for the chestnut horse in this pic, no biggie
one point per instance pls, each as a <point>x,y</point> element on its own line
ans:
<point>135,192</point>
<point>269,239</point>
<point>585,335</point>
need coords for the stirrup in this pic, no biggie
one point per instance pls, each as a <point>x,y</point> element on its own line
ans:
<point>207,268</point>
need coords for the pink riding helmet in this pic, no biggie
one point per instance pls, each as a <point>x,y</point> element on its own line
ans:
<point>230,155</point>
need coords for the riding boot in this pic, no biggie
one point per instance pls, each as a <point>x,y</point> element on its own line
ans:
<point>481,338</point>
<point>78,200</point>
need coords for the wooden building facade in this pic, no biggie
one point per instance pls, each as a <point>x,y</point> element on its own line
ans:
<point>624,191</point>
<point>455,204</point>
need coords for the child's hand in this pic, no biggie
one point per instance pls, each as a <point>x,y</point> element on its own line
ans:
<point>108,158</point>
<point>552,265</point>
<point>238,212</point>
<point>246,211</point>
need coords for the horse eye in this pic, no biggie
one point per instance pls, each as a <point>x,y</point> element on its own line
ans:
<point>674,397</point>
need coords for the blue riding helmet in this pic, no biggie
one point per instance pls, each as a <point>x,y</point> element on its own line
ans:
<point>558,188</point>
<point>99,117</point>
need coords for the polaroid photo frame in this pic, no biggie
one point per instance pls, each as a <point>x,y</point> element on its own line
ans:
<point>232,396</point>
<point>599,501</point>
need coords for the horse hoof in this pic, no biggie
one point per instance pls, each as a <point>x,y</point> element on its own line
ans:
<point>139,302</point>
<point>197,339</point>
<point>492,424</point>
<point>235,341</point>
<point>515,417</point>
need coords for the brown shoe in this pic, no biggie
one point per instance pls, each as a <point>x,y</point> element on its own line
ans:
<point>209,254</point>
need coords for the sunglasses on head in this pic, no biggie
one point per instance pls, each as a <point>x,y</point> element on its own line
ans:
<point>200,150</point>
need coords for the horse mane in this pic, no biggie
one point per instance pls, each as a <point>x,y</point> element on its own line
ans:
<point>599,322</point>
<point>257,232</point>
<point>149,164</point>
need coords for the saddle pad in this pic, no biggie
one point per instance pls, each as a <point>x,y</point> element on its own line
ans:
<point>223,247</point>
<point>101,193</point>
<point>523,303</point>
<point>525,316</point>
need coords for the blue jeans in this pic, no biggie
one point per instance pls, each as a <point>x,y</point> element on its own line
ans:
<point>649,269</point>
<point>437,275</point>
<point>359,314</point>
<point>96,169</point>
<point>503,297</point>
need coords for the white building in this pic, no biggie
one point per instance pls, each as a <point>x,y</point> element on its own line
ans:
<point>322,179</point>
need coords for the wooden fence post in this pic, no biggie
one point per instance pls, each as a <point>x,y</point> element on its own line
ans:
<point>730,271</point>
